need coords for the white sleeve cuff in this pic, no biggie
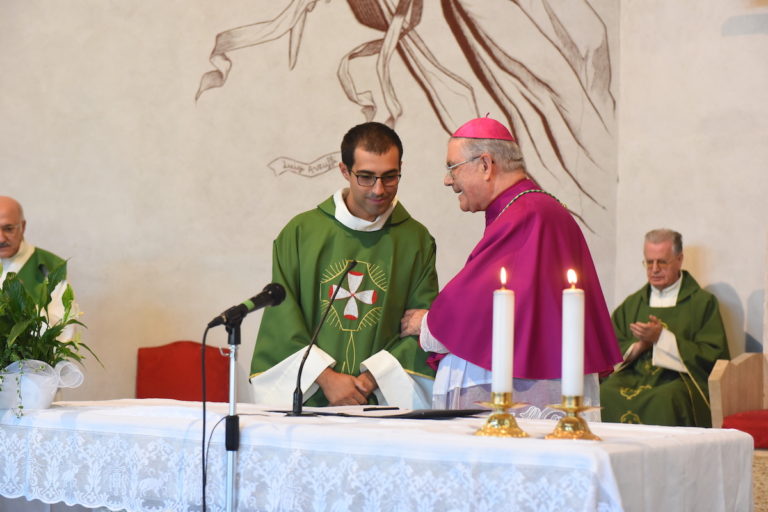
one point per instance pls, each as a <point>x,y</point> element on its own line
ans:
<point>666,354</point>
<point>274,387</point>
<point>396,386</point>
<point>428,342</point>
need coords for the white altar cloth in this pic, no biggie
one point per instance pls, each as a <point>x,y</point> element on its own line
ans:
<point>144,456</point>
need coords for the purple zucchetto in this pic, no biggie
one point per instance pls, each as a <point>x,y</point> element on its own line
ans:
<point>483,128</point>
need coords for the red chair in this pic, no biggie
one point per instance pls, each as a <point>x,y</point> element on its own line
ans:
<point>173,371</point>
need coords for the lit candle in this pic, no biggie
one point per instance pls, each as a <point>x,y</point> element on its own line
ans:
<point>573,339</point>
<point>503,337</point>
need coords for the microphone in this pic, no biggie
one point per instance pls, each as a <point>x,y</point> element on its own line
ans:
<point>298,394</point>
<point>272,295</point>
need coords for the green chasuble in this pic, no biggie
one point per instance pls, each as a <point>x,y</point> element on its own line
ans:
<point>644,393</point>
<point>395,272</point>
<point>32,275</point>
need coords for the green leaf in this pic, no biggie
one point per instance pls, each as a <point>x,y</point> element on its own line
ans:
<point>17,329</point>
<point>55,276</point>
<point>67,299</point>
<point>23,322</point>
<point>19,300</point>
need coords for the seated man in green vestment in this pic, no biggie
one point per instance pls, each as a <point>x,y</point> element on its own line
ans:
<point>360,357</point>
<point>671,334</point>
<point>31,263</point>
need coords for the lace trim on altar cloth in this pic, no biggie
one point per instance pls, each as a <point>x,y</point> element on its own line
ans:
<point>143,473</point>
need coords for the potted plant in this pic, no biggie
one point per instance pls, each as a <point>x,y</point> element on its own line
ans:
<point>38,341</point>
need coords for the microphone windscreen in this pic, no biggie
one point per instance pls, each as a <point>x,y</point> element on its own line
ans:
<point>276,291</point>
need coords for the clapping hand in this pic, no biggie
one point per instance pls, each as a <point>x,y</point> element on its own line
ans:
<point>647,332</point>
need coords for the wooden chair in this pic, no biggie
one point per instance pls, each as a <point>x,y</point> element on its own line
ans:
<point>738,385</point>
<point>173,371</point>
<point>738,394</point>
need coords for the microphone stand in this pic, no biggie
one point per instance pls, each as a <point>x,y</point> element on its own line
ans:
<point>272,295</point>
<point>232,435</point>
<point>298,394</point>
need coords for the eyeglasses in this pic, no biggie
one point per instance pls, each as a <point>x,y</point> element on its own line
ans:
<point>661,264</point>
<point>10,229</point>
<point>449,168</point>
<point>369,180</point>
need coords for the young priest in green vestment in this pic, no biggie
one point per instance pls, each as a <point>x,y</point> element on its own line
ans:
<point>360,357</point>
<point>671,334</point>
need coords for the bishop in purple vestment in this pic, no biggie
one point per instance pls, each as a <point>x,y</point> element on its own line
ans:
<point>530,233</point>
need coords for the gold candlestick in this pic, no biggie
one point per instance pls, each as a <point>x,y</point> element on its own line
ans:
<point>572,425</point>
<point>501,423</point>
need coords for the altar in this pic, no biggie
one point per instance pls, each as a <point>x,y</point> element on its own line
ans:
<point>145,456</point>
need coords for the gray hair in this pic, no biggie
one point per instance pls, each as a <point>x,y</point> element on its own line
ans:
<point>506,154</point>
<point>657,236</point>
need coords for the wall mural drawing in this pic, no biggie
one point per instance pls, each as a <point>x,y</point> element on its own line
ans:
<point>545,65</point>
<point>320,165</point>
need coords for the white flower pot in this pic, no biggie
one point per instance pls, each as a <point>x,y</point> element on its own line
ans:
<point>38,383</point>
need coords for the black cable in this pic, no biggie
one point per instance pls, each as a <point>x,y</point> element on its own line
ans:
<point>203,454</point>
<point>210,437</point>
<point>207,448</point>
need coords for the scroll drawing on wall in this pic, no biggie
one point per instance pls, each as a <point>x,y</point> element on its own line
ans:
<point>544,67</point>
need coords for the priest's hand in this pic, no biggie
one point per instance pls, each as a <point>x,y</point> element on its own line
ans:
<point>635,351</point>
<point>366,383</point>
<point>410,324</point>
<point>340,388</point>
<point>647,332</point>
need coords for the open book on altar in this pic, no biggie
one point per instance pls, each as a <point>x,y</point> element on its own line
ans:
<point>383,411</point>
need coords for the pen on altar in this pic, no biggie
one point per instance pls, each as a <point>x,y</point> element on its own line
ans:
<point>366,409</point>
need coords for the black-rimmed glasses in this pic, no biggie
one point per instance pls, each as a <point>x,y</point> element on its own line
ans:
<point>369,180</point>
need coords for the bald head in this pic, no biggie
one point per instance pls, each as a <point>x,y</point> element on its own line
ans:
<point>12,226</point>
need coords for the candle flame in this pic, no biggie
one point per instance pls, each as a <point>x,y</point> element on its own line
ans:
<point>503,277</point>
<point>572,277</point>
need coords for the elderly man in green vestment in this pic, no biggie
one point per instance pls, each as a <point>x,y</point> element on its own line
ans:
<point>671,334</point>
<point>30,263</point>
<point>360,357</point>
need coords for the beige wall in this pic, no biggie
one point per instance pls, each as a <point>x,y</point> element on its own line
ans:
<point>167,207</point>
<point>694,148</point>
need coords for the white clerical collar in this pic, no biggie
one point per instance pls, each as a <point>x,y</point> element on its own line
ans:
<point>667,297</point>
<point>345,217</point>
<point>15,262</point>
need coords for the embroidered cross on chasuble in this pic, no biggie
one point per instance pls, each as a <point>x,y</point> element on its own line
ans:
<point>356,306</point>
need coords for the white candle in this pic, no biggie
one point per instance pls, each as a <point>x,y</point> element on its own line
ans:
<point>573,339</point>
<point>503,337</point>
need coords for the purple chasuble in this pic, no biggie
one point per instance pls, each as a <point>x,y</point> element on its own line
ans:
<point>537,240</point>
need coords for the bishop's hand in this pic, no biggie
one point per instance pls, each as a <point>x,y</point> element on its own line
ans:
<point>410,324</point>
